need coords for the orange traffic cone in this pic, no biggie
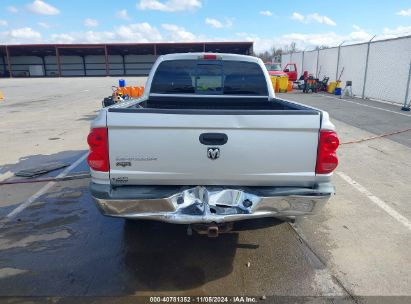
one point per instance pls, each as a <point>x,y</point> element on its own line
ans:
<point>1,95</point>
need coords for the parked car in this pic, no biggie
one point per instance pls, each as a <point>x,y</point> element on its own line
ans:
<point>208,143</point>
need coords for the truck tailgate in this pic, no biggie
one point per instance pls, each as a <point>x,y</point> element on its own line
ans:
<point>261,150</point>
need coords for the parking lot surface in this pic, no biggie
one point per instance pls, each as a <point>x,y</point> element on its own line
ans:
<point>55,243</point>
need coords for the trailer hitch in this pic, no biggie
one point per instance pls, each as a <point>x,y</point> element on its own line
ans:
<point>212,230</point>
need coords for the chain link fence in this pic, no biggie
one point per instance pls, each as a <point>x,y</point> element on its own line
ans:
<point>378,69</point>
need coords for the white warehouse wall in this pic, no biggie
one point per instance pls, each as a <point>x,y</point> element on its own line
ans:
<point>20,65</point>
<point>310,62</point>
<point>139,64</point>
<point>51,65</point>
<point>297,58</point>
<point>352,60</point>
<point>115,65</point>
<point>72,66</point>
<point>388,68</point>
<point>327,63</point>
<point>95,65</point>
<point>285,58</point>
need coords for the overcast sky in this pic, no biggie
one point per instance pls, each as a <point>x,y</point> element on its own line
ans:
<point>266,22</point>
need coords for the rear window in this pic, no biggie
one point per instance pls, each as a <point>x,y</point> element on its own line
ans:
<point>209,77</point>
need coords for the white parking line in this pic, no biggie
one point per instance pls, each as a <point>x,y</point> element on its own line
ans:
<point>379,202</point>
<point>364,105</point>
<point>43,190</point>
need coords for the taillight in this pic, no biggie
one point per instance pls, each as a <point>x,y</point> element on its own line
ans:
<point>98,156</point>
<point>210,57</point>
<point>327,159</point>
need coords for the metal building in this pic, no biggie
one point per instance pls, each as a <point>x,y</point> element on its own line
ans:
<point>114,59</point>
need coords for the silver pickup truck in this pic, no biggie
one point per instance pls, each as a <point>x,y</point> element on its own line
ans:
<point>208,143</point>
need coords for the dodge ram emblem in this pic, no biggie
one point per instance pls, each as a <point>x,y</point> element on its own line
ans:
<point>213,153</point>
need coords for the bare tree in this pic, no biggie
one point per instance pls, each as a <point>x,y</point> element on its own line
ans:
<point>320,47</point>
<point>274,53</point>
<point>293,47</point>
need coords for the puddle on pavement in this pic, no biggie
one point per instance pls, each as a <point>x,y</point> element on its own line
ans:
<point>9,272</point>
<point>66,193</point>
<point>33,239</point>
<point>60,221</point>
<point>45,221</point>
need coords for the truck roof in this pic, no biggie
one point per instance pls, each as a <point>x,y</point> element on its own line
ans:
<point>223,56</point>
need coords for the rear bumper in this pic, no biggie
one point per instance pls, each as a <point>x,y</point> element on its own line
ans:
<point>210,204</point>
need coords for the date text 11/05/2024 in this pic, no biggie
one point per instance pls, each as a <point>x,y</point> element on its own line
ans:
<point>204,299</point>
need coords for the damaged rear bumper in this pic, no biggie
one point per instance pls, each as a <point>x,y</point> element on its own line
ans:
<point>209,204</point>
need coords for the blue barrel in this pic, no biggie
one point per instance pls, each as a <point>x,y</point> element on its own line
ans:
<point>337,91</point>
<point>121,83</point>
